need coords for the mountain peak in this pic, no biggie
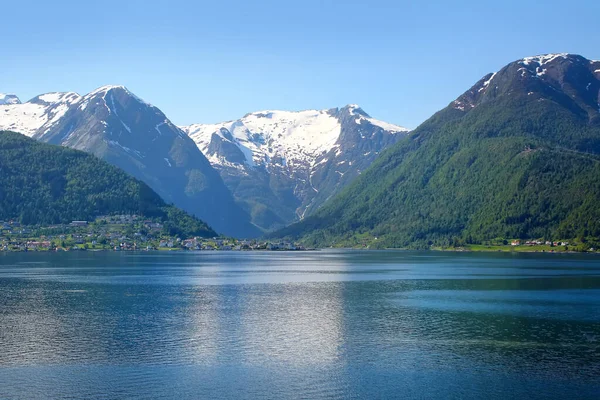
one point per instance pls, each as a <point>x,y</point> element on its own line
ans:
<point>106,88</point>
<point>103,90</point>
<point>563,77</point>
<point>543,59</point>
<point>114,92</point>
<point>9,99</point>
<point>561,61</point>
<point>355,109</point>
<point>546,58</point>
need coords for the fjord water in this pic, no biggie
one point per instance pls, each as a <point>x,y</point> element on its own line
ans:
<point>315,325</point>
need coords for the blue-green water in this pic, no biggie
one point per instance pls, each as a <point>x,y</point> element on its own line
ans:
<point>310,325</point>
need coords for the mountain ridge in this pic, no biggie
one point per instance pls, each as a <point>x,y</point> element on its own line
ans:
<point>292,161</point>
<point>515,156</point>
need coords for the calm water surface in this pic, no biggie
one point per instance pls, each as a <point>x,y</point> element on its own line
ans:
<point>313,325</point>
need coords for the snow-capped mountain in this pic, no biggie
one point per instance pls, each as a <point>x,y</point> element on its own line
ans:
<point>38,115</point>
<point>117,126</point>
<point>278,165</point>
<point>261,137</point>
<point>281,165</point>
<point>563,77</point>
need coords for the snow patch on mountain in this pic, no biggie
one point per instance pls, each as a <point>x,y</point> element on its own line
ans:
<point>136,153</point>
<point>383,125</point>
<point>157,127</point>
<point>37,114</point>
<point>462,106</point>
<point>286,136</point>
<point>280,139</point>
<point>24,118</point>
<point>543,59</point>
<point>487,83</point>
<point>58,97</point>
<point>126,126</point>
<point>352,109</point>
<point>104,90</point>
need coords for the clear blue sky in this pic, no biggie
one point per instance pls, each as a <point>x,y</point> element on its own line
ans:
<point>207,61</point>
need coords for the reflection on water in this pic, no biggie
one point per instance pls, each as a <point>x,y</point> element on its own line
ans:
<point>288,325</point>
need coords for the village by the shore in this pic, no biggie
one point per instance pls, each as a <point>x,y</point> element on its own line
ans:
<point>135,233</point>
<point>120,233</point>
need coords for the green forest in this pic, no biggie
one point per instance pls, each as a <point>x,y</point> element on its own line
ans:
<point>42,184</point>
<point>515,167</point>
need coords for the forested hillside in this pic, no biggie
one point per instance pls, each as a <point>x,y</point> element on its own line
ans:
<point>43,184</point>
<point>516,156</point>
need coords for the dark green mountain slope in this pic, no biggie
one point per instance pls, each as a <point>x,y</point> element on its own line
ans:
<point>47,184</point>
<point>518,155</point>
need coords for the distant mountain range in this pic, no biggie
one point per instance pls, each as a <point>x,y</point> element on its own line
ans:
<point>515,156</point>
<point>268,169</point>
<point>281,166</point>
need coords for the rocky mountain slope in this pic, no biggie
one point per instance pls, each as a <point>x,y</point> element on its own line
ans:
<point>117,126</point>
<point>9,99</point>
<point>515,156</point>
<point>281,166</point>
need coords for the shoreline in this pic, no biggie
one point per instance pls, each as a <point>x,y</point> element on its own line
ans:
<point>536,251</point>
<point>490,249</point>
<point>152,251</point>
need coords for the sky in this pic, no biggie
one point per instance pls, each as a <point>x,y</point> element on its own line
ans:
<point>211,61</point>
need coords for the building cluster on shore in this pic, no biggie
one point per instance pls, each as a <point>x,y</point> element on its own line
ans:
<point>538,243</point>
<point>118,233</point>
